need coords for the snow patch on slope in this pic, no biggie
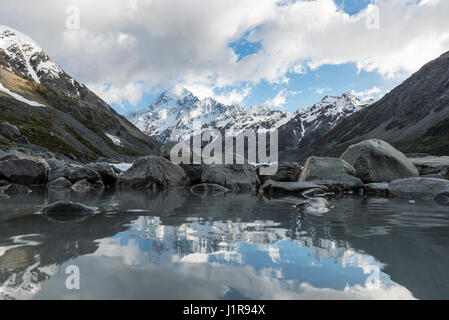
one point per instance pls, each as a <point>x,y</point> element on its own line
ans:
<point>19,97</point>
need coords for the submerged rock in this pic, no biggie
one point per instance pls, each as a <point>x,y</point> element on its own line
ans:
<point>378,161</point>
<point>208,188</point>
<point>14,189</point>
<point>236,177</point>
<point>271,186</point>
<point>424,188</point>
<point>153,172</point>
<point>317,168</point>
<point>445,173</point>
<point>67,209</point>
<point>25,171</point>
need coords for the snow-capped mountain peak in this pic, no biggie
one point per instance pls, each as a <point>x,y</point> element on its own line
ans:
<point>171,111</point>
<point>24,56</point>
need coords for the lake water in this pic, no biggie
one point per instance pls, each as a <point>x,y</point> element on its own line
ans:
<point>177,245</point>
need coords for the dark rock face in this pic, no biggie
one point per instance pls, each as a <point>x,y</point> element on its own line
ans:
<point>60,183</point>
<point>236,177</point>
<point>321,168</point>
<point>421,188</point>
<point>106,171</point>
<point>287,172</point>
<point>27,171</point>
<point>153,173</point>
<point>62,208</point>
<point>378,161</point>
<point>193,171</point>
<point>9,130</point>
<point>85,173</point>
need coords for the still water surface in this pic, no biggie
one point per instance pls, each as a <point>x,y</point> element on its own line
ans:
<point>177,245</point>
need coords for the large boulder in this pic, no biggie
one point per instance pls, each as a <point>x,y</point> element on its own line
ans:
<point>153,173</point>
<point>25,171</point>
<point>423,188</point>
<point>236,177</point>
<point>9,130</point>
<point>378,161</point>
<point>317,168</point>
<point>430,165</point>
<point>106,171</point>
<point>286,172</point>
<point>84,173</point>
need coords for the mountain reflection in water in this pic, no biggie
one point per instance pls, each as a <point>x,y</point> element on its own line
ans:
<point>177,245</point>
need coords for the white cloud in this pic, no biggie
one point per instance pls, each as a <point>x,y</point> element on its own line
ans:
<point>322,90</point>
<point>281,98</point>
<point>372,93</point>
<point>131,92</point>
<point>168,42</point>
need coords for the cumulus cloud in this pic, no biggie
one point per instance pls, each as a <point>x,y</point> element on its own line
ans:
<point>372,93</point>
<point>281,98</point>
<point>175,42</point>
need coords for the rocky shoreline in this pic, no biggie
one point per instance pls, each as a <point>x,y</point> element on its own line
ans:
<point>372,167</point>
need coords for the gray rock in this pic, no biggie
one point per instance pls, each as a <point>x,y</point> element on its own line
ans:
<point>26,171</point>
<point>340,182</point>
<point>287,172</point>
<point>236,177</point>
<point>14,189</point>
<point>317,168</point>
<point>82,186</point>
<point>60,183</point>
<point>58,169</point>
<point>193,171</point>
<point>153,173</point>
<point>434,176</point>
<point>376,188</point>
<point>83,173</point>
<point>106,171</point>
<point>445,173</point>
<point>9,130</point>
<point>422,188</point>
<point>378,161</point>
<point>22,140</point>
<point>430,165</point>
<point>63,208</point>
<point>271,186</point>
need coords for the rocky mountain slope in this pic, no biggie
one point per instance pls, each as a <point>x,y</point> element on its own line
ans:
<point>413,117</point>
<point>308,124</point>
<point>52,110</point>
